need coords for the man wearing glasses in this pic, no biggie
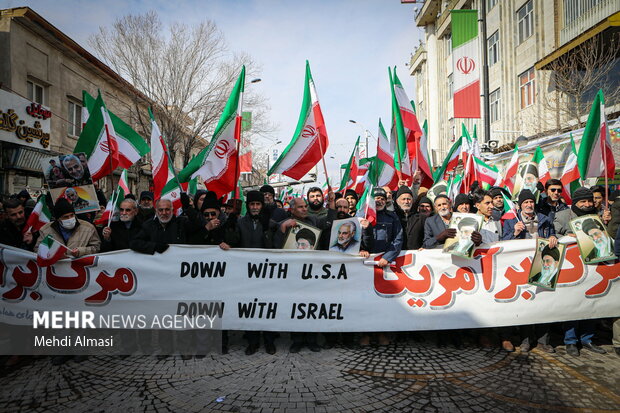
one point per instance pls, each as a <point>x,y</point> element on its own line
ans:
<point>120,233</point>
<point>551,202</point>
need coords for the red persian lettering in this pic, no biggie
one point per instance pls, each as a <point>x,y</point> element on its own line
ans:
<point>609,273</point>
<point>487,262</point>
<point>516,279</point>
<point>2,272</point>
<point>571,275</point>
<point>464,280</point>
<point>75,283</point>
<point>24,280</point>
<point>403,281</point>
<point>123,281</point>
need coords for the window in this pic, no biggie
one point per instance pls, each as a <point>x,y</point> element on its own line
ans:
<point>493,46</point>
<point>450,87</point>
<point>525,17</point>
<point>35,92</point>
<point>491,4</point>
<point>74,116</point>
<point>494,98</point>
<point>527,86</point>
<point>449,44</point>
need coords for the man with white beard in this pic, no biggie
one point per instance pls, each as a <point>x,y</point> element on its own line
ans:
<point>120,233</point>
<point>602,242</point>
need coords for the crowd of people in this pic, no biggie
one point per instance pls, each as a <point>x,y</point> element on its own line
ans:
<point>406,219</point>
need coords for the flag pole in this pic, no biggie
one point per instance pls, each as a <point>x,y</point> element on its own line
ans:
<point>323,158</point>
<point>603,151</point>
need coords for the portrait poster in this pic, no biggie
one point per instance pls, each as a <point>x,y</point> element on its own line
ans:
<point>546,264</point>
<point>441,187</point>
<point>595,244</point>
<point>527,178</point>
<point>68,176</point>
<point>302,237</point>
<point>346,236</point>
<point>465,224</point>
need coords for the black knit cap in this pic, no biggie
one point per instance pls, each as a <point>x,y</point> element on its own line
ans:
<point>210,201</point>
<point>255,196</point>
<point>461,199</point>
<point>524,195</point>
<point>582,193</point>
<point>425,200</point>
<point>553,252</point>
<point>268,188</point>
<point>379,192</point>
<point>403,190</point>
<point>61,207</point>
<point>495,191</point>
<point>145,195</point>
<point>352,193</point>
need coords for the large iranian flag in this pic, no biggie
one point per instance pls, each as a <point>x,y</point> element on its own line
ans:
<point>39,216</point>
<point>485,172</point>
<point>465,63</point>
<point>131,146</point>
<point>571,179</point>
<point>309,143</point>
<point>217,163</point>
<point>50,251</point>
<point>595,156</point>
<point>510,175</point>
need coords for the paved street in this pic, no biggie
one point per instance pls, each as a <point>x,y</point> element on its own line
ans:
<point>406,376</point>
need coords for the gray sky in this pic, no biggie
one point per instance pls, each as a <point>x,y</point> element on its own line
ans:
<point>349,44</point>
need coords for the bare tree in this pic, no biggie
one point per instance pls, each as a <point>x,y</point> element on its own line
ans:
<point>187,73</point>
<point>578,74</point>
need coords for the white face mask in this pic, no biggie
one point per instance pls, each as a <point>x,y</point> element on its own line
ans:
<point>68,223</point>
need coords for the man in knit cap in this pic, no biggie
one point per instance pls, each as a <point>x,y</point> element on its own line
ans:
<point>498,203</point>
<point>411,221</point>
<point>462,203</point>
<point>352,198</point>
<point>275,213</point>
<point>529,224</point>
<point>583,204</point>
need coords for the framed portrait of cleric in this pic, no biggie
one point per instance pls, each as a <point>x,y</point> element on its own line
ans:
<point>546,264</point>
<point>465,224</point>
<point>595,244</point>
<point>346,236</point>
<point>67,176</point>
<point>302,237</point>
<point>441,187</point>
<point>527,178</point>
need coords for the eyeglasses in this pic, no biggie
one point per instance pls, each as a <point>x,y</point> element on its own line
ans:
<point>555,189</point>
<point>126,209</point>
<point>209,214</point>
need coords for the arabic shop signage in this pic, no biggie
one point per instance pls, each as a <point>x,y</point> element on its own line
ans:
<point>23,122</point>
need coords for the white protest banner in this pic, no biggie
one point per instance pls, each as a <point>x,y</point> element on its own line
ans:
<point>317,290</point>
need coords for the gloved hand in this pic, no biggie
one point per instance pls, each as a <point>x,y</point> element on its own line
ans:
<point>161,247</point>
<point>448,233</point>
<point>476,237</point>
<point>540,187</point>
<point>474,186</point>
<point>184,200</point>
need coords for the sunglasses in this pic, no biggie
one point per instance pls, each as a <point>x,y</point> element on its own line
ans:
<point>555,189</point>
<point>209,214</point>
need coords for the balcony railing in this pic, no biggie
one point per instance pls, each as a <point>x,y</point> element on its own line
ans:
<point>581,15</point>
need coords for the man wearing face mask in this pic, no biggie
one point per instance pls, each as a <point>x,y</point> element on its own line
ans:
<point>79,236</point>
<point>315,202</point>
<point>529,224</point>
<point>411,221</point>
<point>583,204</point>
<point>120,233</point>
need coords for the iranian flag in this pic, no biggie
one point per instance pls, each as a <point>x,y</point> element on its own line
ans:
<point>99,142</point>
<point>114,203</point>
<point>50,251</point>
<point>571,179</point>
<point>595,156</point>
<point>309,143</point>
<point>451,161</point>
<point>409,135</point>
<point>510,210</point>
<point>454,186</point>
<point>510,175</point>
<point>382,171</point>
<point>485,172</point>
<point>465,63</point>
<point>131,146</point>
<point>349,178</point>
<point>541,164</point>
<point>366,207</point>
<point>362,177</point>
<point>160,165</point>
<point>39,216</point>
<point>217,164</point>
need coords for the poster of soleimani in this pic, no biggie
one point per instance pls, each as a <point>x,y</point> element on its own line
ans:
<point>465,224</point>
<point>546,264</point>
<point>595,244</point>
<point>346,236</point>
<point>67,176</point>
<point>302,237</point>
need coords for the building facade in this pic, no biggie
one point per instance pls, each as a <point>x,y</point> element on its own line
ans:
<point>524,38</point>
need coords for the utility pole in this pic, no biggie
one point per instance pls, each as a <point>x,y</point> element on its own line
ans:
<point>482,19</point>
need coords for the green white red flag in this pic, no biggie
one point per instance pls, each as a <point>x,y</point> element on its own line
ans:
<point>131,147</point>
<point>114,203</point>
<point>510,175</point>
<point>50,251</point>
<point>571,179</point>
<point>510,210</point>
<point>382,172</point>
<point>541,165</point>
<point>466,63</point>
<point>310,142</point>
<point>455,184</point>
<point>451,161</point>
<point>217,164</point>
<point>595,157</point>
<point>366,207</point>
<point>160,165</point>
<point>39,216</point>
<point>484,172</point>
<point>349,179</point>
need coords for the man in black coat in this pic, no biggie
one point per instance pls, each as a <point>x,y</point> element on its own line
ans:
<point>119,234</point>
<point>11,229</point>
<point>411,221</point>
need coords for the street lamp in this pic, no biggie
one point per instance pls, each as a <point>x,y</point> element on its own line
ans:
<point>269,157</point>
<point>365,130</point>
<point>258,79</point>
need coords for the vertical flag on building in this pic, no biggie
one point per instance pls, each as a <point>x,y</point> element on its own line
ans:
<point>217,163</point>
<point>466,63</point>
<point>39,216</point>
<point>50,251</point>
<point>349,178</point>
<point>541,165</point>
<point>366,207</point>
<point>510,175</point>
<point>571,179</point>
<point>451,161</point>
<point>131,146</point>
<point>595,158</point>
<point>309,143</point>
